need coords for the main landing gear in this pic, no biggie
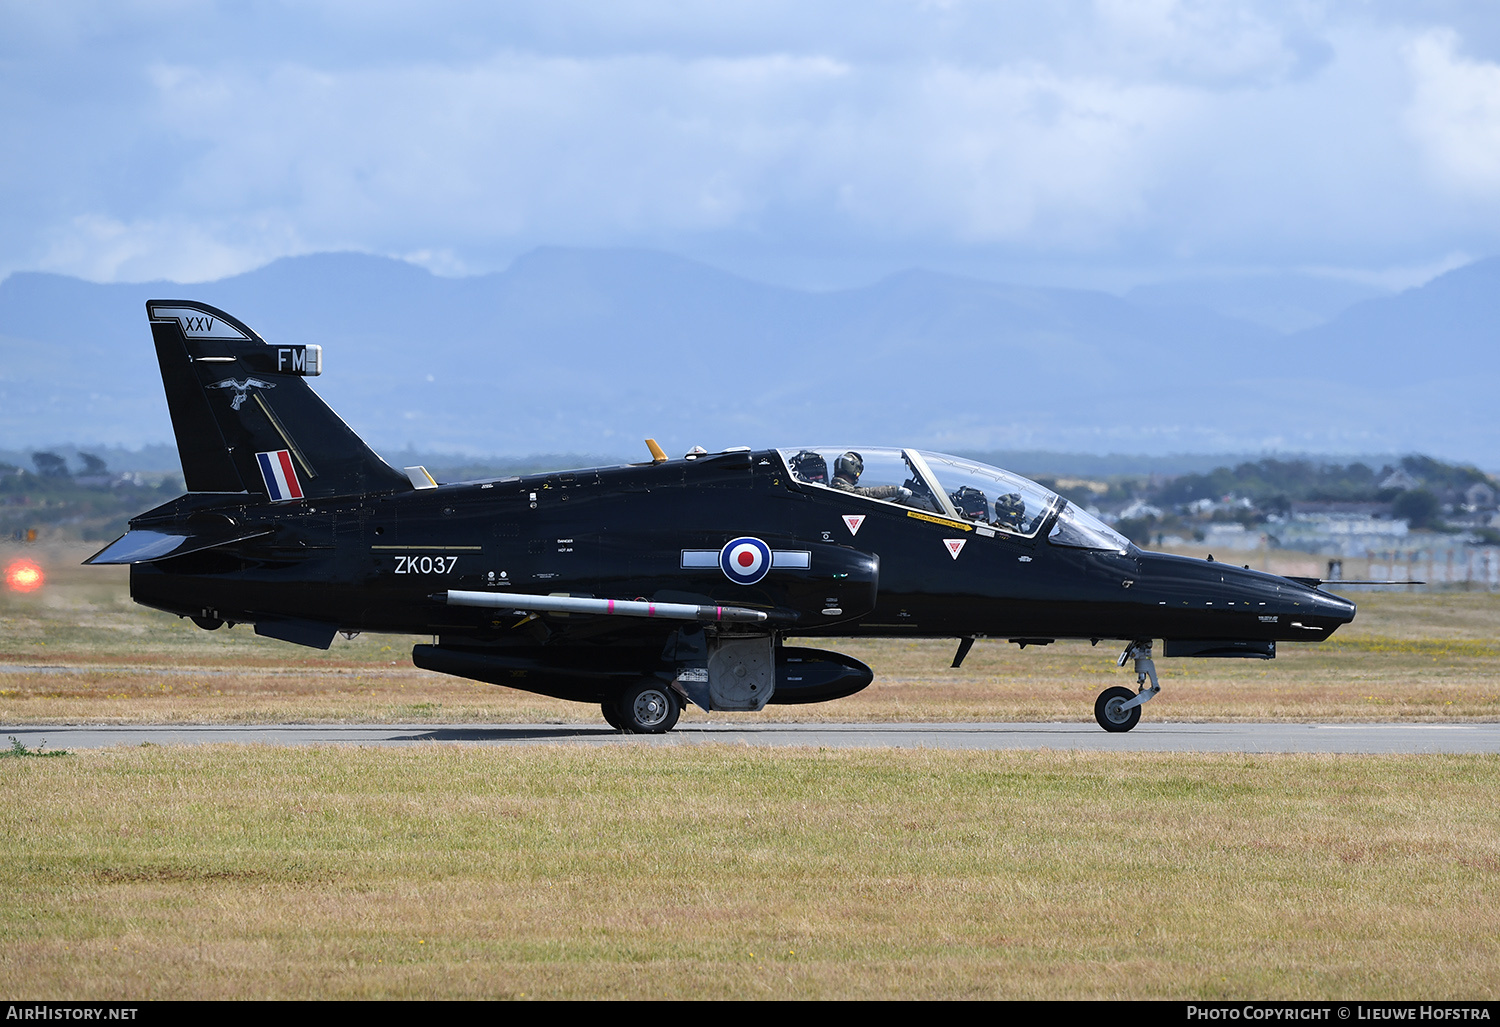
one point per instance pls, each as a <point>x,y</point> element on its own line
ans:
<point>1118,708</point>
<point>648,708</point>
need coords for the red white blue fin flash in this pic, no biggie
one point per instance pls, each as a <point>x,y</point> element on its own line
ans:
<point>281,477</point>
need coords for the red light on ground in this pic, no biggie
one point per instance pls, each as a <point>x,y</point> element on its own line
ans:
<point>24,576</point>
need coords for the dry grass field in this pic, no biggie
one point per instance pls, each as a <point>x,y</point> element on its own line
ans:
<point>1432,656</point>
<point>452,871</point>
<point>630,872</point>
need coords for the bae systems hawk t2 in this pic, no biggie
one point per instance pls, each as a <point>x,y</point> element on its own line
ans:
<point>646,586</point>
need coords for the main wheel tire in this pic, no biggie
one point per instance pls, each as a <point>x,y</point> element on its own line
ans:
<point>649,708</point>
<point>612,715</point>
<point>1108,713</point>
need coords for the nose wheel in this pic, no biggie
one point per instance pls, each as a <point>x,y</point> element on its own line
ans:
<point>1111,711</point>
<point>1118,708</point>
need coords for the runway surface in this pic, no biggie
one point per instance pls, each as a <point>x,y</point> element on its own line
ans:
<point>1148,737</point>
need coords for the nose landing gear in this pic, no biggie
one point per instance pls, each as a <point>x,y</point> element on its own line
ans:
<point>1118,708</point>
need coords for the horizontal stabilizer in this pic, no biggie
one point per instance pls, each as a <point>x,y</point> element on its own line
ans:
<point>146,546</point>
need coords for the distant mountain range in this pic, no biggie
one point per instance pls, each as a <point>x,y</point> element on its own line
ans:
<point>590,351</point>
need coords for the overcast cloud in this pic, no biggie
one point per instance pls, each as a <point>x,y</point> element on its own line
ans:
<point>819,142</point>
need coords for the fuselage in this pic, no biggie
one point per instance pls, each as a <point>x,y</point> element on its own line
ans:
<point>642,587</point>
<point>872,566</point>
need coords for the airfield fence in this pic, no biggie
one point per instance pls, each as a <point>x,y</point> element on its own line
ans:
<point>1442,568</point>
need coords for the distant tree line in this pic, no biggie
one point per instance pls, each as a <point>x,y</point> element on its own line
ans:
<point>53,467</point>
<point>1420,490</point>
<point>92,504</point>
<point>1273,482</point>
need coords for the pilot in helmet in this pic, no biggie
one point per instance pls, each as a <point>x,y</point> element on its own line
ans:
<point>970,503</point>
<point>809,465</point>
<point>847,469</point>
<point>846,472</point>
<point>1010,511</point>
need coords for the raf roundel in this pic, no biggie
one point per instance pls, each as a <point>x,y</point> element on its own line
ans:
<point>745,560</point>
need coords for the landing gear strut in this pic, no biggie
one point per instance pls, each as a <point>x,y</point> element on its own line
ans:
<point>1118,708</point>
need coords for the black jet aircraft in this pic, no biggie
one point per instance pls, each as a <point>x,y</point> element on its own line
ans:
<point>642,587</point>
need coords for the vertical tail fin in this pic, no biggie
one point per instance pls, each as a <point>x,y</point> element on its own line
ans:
<point>245,419</point>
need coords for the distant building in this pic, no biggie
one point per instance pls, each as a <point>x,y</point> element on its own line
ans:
<point>1339,529</point>
<point>1399,479</point>
<point>1230,535</point>
<point>1139,508</point>
<point>1328,509</point>
<point>1479,496</point>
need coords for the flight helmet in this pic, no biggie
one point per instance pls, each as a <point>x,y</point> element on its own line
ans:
<point>1010,510</point>
<point>970,503</point>
<point>850,466</point>
<point>809,465</point>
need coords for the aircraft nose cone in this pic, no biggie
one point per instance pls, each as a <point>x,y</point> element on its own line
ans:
<point>1220,594</point>
<point>1334,606</point>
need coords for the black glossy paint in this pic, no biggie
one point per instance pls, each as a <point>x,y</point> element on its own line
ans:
<point>372,563</point>
<point>364,550</point>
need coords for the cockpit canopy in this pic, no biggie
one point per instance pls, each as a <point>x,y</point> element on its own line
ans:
<point>953,487</point>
